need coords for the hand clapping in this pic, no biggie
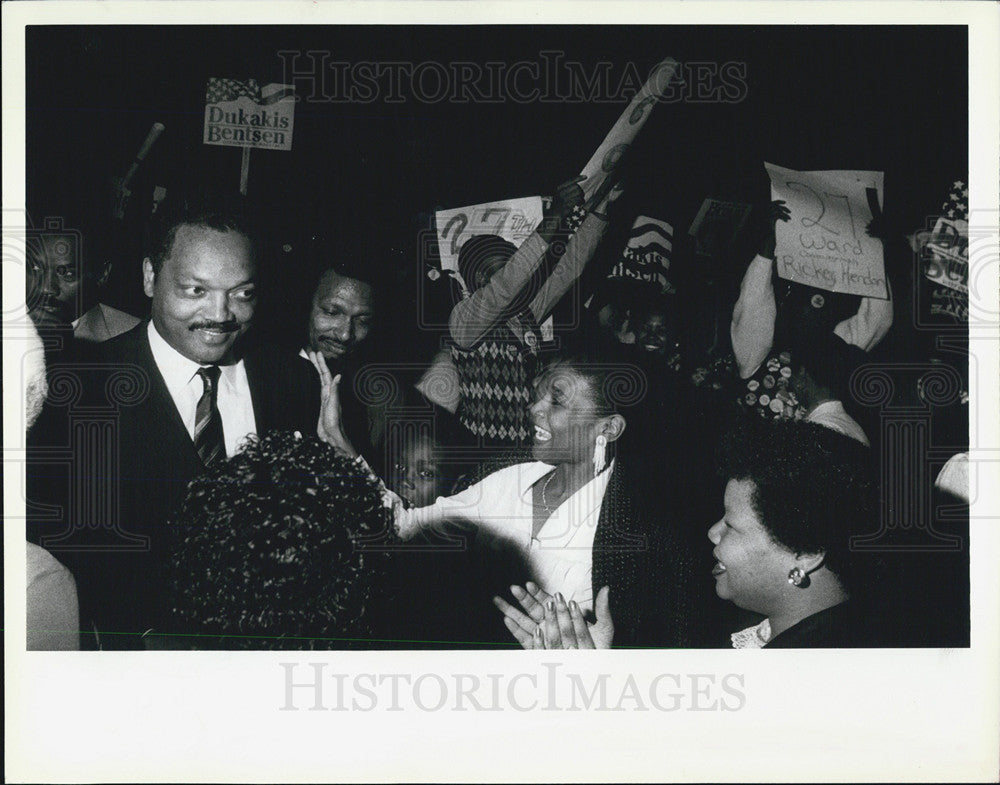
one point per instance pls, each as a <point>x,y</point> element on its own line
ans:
<point>548,622</point>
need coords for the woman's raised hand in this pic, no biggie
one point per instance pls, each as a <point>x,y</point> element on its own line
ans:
<point>548,622</point>
<point>329,428</point>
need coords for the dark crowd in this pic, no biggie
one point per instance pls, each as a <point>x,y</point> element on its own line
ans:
<point>624,430</point>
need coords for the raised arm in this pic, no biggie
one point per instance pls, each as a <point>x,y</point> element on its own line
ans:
<point>752,327</point>
<point>451,515</point>
<point>874,317</point>
<point>869,325</point>
<point>472,318</point>
<point>579,251</point>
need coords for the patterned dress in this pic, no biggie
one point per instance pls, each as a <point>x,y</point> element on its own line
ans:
<point>495,385</point>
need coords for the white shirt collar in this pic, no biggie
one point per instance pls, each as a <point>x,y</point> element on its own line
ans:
<point>178,370</point>
<point>596,485</point>
<point>577,515</point>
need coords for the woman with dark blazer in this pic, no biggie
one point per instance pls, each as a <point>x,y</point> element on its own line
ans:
<point>577,516</point>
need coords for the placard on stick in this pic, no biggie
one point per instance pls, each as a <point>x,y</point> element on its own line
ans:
<point>825,244</point>
<point>243,114</point>
<point>512,219</point>
<point>945,254</point>
<point>600,171</point>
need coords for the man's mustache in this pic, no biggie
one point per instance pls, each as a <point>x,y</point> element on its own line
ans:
<point>226,327</point>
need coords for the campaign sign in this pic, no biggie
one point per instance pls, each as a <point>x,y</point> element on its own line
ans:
<point>243,114</point>
<point>825,244</point>
<point>945,254</point>
<point>512,219</point>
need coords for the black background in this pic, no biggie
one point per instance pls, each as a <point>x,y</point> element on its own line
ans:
<point>830,97</point>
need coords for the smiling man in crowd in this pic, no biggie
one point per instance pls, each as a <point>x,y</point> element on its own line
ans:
<point>193,394</point>
<point>341,316</point>
<point>341,321</point>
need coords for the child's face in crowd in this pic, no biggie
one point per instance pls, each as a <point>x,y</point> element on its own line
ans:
<point>416,473</point>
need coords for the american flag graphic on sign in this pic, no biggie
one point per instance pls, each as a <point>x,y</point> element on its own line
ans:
<point>222,90</point>
<point>956,207</point>
<point>646,256</point>
<point>945,256</point>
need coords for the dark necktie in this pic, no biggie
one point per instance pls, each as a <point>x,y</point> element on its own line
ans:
<point>208,437</point>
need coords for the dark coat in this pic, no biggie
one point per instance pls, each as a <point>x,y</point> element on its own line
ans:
<point>130,459</point>
<point>644,551</point>
<point>842,626</point>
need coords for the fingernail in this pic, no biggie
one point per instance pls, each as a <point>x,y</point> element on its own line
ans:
<point>559,598</point>
<point>551,605</point>
<point>517,591</point>
<point>573,605</point>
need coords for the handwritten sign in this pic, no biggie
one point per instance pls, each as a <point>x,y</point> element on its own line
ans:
<point>608,155</point>
<point>717,226</point>
<point>825,245</point>
<point>512,219</point>
<point>243,114</point>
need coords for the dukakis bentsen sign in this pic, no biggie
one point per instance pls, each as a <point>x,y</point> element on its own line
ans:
<point>244,114</point>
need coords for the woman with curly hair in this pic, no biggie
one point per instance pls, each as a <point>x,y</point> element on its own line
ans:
<point>795,496</point>
<point>281,547</point>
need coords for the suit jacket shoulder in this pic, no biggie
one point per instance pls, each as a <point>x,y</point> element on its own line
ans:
<point>148,418</point>
<point>284,388</point>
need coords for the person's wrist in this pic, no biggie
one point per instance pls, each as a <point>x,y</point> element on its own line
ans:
<point>345,447</point>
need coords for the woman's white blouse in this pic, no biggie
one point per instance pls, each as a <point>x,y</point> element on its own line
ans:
<point>499,508</point>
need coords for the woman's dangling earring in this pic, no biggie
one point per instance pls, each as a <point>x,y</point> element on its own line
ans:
<point>599,457</point>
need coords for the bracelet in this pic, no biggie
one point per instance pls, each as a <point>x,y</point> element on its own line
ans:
<point>602,216</point>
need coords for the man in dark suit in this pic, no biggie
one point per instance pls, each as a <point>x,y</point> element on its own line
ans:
<point>182,395</point>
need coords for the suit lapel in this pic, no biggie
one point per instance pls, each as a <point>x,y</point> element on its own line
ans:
<point>161,410</point>
<point>257,380</point>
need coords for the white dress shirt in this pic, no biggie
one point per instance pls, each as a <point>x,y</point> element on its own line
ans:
<point>186,388</point>
<point>499,507</point>
<point>831,414</point>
